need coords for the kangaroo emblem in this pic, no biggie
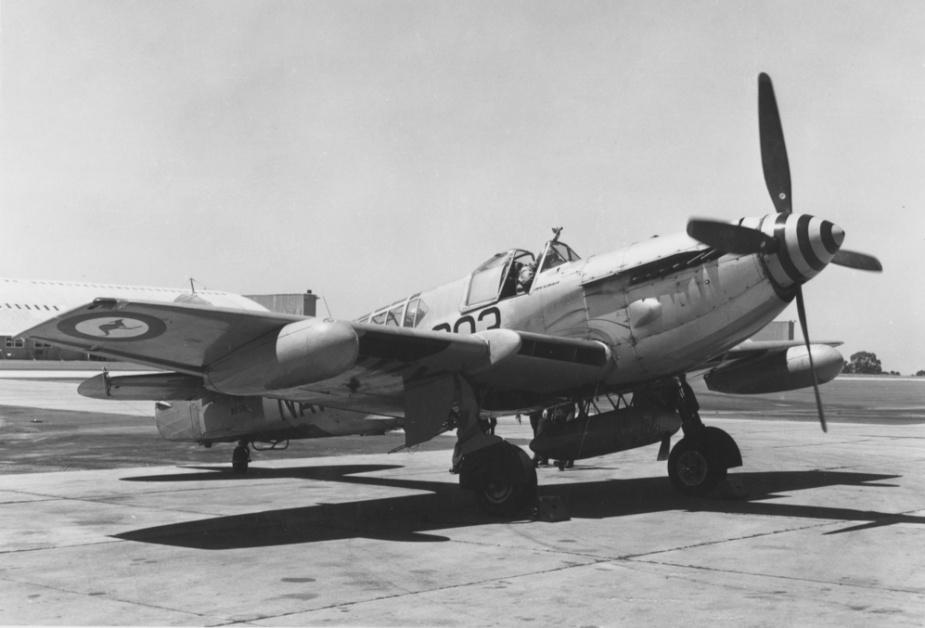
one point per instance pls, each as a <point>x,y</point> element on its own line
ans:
<point>132,327</point>
<point>115,325</point>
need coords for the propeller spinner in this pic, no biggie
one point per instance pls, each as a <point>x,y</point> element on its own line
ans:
<point>801,245</point>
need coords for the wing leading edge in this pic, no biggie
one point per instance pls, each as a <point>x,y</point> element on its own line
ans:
<point>756,367</point>
<point>337,363</point>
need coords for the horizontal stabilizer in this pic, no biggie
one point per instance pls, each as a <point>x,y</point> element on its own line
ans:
<point>149,387</point>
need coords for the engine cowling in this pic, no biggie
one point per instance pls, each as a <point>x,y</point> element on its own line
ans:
<point>776,372</point>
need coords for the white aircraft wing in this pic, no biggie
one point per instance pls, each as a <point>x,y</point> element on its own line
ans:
<point>763,366</point>
<point>177,337</point>
<point>754,348</point>
<point>341,364</point>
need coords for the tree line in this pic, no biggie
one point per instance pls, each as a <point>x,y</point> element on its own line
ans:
<point>866,362</point>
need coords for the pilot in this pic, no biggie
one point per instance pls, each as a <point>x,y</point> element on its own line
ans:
<point>525,277</point>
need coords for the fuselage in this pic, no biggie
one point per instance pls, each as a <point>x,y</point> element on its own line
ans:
<point>663,306</point>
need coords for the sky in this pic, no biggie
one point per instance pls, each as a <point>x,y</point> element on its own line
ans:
<point>369,150</point>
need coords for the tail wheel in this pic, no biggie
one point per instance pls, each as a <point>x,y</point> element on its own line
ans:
<point>693,468</point>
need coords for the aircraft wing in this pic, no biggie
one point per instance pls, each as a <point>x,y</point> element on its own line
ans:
<point>763,366</point>
<point>341,364</point>
<point>753,349</point>
<point>173,336</point>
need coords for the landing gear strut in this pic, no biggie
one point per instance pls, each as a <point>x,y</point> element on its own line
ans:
<point>501,475</point>
<point>241,457</point>
<point>700,460</point>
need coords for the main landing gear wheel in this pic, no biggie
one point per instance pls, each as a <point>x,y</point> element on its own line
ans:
<point>499,498</point>
<point>694,467</point>
<point>240,459</point>
<point>503,478</point>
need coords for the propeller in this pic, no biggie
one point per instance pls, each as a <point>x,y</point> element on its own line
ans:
<point>801,313</point>
<point>776,167</point>
<point>773,149</point>
<point>858,261</point>
<point>741,240</point>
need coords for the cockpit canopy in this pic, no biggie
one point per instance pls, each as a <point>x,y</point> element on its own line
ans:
<point>504,275</point>
<point>512,272</point>
<point>556,254</point>
<point>497,277</point>
<point>405,313</point>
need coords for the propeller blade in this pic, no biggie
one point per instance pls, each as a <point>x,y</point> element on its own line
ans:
<point>859,261</point>
<point>730,238</point>
<point>801,312</point>
<point>773,150</point>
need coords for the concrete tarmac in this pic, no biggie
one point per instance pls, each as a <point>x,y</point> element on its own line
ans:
<point>829,532</point>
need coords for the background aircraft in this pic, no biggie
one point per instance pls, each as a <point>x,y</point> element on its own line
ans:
<point>524,332</point>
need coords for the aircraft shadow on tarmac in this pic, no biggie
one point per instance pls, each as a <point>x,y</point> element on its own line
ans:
<point>443,505</point>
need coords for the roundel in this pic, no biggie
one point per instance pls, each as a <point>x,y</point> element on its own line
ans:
<point>112,326</point>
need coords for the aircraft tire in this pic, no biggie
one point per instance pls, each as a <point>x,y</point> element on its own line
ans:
<point>498,496</point>
<point>695,468</point>
<point>239,460</point>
